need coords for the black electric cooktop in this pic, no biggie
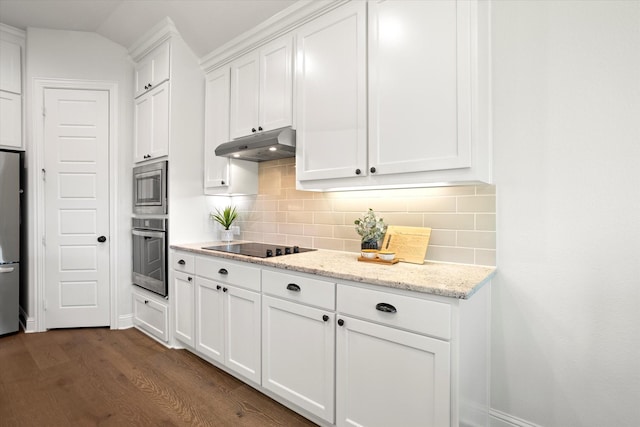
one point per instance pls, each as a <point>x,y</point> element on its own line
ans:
<point>258,250</point>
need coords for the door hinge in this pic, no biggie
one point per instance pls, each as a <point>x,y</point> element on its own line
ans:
<point>44,175</point>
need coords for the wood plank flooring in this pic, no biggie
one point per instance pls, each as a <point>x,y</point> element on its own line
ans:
<point>96,376</point>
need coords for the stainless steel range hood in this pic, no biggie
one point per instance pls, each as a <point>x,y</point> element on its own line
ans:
<point>263,146</point>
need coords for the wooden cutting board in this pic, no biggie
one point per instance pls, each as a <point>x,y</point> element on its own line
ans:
<point>409,243</point>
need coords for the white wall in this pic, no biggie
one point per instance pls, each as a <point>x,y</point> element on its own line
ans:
<point>566,323</point>
<point>55,54</point>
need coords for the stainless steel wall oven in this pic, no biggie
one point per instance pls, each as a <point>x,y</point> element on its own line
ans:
<point>150,189</point>
<point>150,254</point>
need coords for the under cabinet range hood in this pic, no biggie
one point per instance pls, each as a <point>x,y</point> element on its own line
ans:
<point>262,146</point>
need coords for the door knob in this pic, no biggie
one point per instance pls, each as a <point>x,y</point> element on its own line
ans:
<point>102,239</point>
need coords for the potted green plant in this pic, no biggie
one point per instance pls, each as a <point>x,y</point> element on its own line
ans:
<point>225,218</point>
<point>371,229</point>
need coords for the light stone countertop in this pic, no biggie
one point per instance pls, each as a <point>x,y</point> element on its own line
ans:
<point>449,280</point>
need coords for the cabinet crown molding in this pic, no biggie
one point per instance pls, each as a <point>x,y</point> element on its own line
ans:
<point>158,34</point>
<point>287,20</point>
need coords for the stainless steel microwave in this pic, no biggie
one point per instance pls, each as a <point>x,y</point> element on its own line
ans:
<point>150,189</point>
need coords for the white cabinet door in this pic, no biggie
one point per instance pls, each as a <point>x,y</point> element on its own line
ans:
<point>419,86</point>
<point>331,104</point>
<point>10,120</point>
<point>151,121</point>
<point>298,345</point>
<point>262,88</point>
<point>245,86</point>
<point>10,67</point>
<point>216,169</point>
<point>151,316</point>
<point>388,377</point>
<point>183,302</point>
<point>242,325</point>
<point>210,319</point>
<point>276,84</point>
<point>152,70</point>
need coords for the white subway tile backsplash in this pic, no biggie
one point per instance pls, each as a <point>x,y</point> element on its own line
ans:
<point>462,218</point>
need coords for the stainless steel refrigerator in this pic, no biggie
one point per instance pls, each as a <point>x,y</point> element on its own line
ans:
<point>9,241</point>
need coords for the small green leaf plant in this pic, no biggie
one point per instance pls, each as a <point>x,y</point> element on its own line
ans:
<point>226,217</point>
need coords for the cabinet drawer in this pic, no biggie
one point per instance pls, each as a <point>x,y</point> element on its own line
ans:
<point>413,314</point>
<point>151,316</point>
<point>301,289</point>
<point>182,261</point>
<point>230,272</point>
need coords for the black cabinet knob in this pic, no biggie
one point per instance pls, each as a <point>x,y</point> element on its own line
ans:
<point>325,318</point>
<point>146,301</point>
<point>358,171</point>
<point>146,87</point>
<point>224,289</point>
<point>223,271</point>
<point>218,287</point>
<point>221,182</point>
<point>181,262</point>
<point>189,278</point>
<point>259,127</point>
<point>253,130</point>
<point>102,239</point>
<point>340,322</point>
<point>150,85</point>
<point>372,170</point>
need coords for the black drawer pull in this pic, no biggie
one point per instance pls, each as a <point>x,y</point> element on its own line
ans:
<point>181,262</point>
<point>387,308</point>
<point>293,287</point>
<point>223,271</point>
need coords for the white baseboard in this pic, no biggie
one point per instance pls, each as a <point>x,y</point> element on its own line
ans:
<point>502,419</point>
<point>125,321</point>
<point>28,323</point>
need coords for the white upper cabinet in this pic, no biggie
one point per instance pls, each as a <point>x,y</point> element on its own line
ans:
<point>151,121</point>
<point>261,89</point>
<point>427,95</point>
<point>10,66</point>
<point>10,120</point>
<point>152,69</point>
<point>221,174</point>
<point>419,86</point>
<point>331,137</point>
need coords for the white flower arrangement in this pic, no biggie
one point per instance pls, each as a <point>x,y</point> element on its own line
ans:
<point>370,227</point>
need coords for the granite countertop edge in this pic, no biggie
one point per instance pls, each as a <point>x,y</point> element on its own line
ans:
<point>451,280</point>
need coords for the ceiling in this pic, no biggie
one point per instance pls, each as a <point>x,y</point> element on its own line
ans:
<point>204,24</point>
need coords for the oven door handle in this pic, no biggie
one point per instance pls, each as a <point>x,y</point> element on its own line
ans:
<point>144,233</point>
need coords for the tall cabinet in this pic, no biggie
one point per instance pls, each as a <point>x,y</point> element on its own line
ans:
<point>168,102</point>
<point>11,56</point>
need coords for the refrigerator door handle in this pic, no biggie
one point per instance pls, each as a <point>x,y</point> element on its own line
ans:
<point>6,269</point>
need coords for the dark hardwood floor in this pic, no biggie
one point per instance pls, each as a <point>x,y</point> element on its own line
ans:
<point>88,377</point>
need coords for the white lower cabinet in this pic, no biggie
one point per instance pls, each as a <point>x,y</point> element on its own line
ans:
<point>151,315</point>
<point>228,315</point>
<point>388,377</point>
<point>183,297</point>
<point>298,345</point>
<point>345,354</point>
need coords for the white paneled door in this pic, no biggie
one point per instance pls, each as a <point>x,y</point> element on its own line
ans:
<point>76,174</point>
